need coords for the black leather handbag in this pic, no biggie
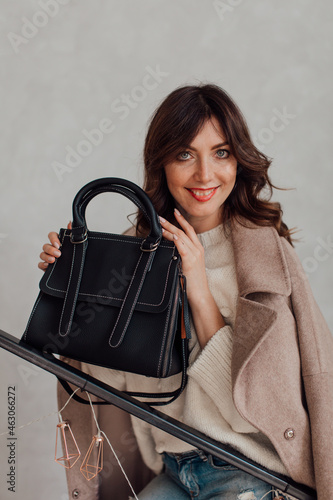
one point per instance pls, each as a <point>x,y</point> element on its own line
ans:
<point>113,300</point>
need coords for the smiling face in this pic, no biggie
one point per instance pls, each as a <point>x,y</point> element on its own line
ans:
<point>202,176</point>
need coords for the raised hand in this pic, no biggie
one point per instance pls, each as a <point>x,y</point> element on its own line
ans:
<point>205,313</point>
<point>51,250</point>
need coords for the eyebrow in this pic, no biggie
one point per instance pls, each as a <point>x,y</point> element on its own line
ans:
<point>214,147</point>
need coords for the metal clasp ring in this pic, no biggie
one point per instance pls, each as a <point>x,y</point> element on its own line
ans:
<point>152,249</point>
<point>85,237</point>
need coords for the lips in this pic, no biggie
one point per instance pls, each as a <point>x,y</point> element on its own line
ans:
<point>202,194</point>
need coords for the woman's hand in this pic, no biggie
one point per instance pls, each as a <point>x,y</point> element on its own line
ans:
<point>51,250</point>
<point>192,254</point>
<point>205,313</point>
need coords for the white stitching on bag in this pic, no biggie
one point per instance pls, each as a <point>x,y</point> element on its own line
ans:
<point>128,289</point>
<point>105,296</point>
<point>69,282</point>
<point>31,315</point>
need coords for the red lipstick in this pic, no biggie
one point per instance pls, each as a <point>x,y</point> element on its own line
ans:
<point>202,194</point>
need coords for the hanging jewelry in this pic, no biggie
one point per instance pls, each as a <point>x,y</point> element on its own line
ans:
<point>66,442</point>
<point>68,445</point>
<point>93,461</point>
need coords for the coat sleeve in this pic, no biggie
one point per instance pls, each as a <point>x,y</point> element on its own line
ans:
<point>316,352</point>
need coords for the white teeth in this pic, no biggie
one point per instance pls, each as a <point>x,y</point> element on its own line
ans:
<point>202,193</point>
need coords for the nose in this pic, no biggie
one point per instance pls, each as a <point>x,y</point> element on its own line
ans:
<point>204,170</point>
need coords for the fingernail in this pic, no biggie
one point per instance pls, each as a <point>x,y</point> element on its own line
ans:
<point>177,211</point>
<point>175,237</point>
<point>56,244</point>
<point>161,219</point>
<point>57,253</point>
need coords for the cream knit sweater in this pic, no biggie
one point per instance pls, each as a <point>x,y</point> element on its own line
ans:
<point>206,403</point>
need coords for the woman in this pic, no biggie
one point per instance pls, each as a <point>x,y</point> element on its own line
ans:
<point>260,368</point>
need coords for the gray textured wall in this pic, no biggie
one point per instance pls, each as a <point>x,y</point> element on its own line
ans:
<point>67,67</point>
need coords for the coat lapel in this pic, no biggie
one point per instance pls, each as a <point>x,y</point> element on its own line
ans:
<point>260,267</point>
<point>260,262</point>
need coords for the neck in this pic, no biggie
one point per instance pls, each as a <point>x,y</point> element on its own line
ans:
<point>203,224</point>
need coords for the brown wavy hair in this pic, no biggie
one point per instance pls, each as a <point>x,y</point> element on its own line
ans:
<point>175,124</point>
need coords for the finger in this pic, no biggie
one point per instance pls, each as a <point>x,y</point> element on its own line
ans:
<point>51,250</point>
<point>178,241</point>
<point>45,257</point>
<point>170,228</point>
<point>43,265</point>
<point>182,247</point>
<point>186,226</point>
<point>168,235</point>
<point>69,225</point>
<point>54,239</point>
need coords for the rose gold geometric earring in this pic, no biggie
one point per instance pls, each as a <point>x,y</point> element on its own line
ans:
<point>68,444</point>
<point>93,461</point>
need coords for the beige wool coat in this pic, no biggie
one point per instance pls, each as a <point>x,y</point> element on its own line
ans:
<point>282,375</point>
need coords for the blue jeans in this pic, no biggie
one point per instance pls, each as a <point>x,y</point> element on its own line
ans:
<point>202,477</point>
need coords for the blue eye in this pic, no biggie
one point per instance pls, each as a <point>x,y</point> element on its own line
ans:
<point>222,153</point>
<point>183,156</point>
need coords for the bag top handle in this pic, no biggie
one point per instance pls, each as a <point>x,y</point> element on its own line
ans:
<point>127,189</point>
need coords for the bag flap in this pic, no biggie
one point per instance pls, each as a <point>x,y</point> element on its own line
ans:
<point>109,265</point>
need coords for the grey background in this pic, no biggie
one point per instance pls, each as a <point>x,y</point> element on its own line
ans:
<point>65,76</point>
